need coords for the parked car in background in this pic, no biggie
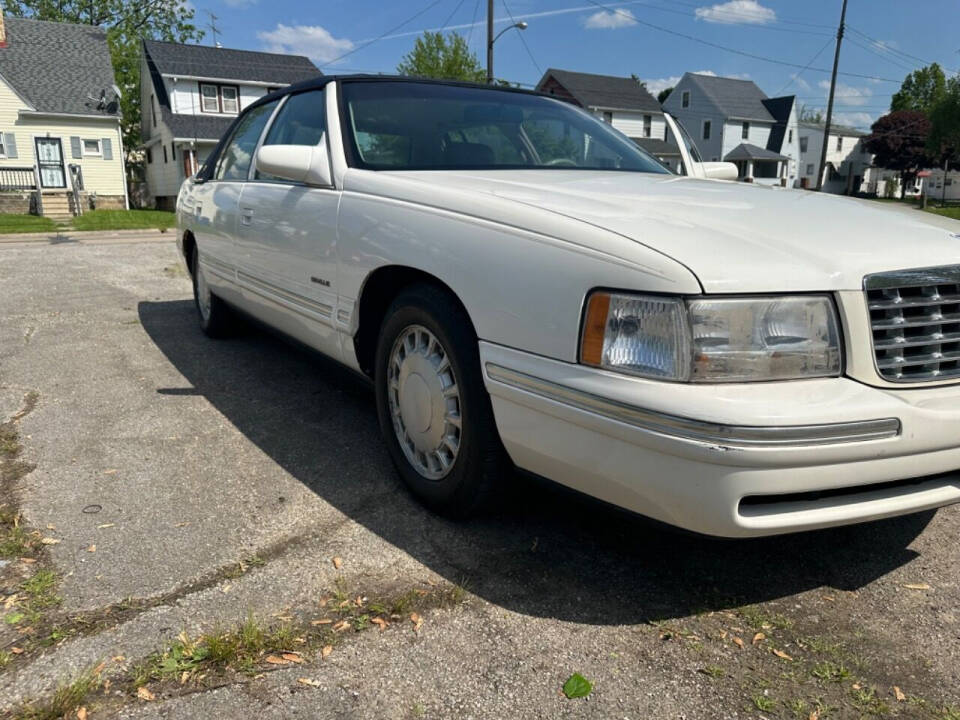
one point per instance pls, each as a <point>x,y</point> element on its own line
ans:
<point>524,286</point>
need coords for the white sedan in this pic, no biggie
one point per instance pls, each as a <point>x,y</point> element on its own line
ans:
<point>525,287</point>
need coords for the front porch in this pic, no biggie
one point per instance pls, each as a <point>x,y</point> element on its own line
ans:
<point>26,190</point>
<point>756,164</point>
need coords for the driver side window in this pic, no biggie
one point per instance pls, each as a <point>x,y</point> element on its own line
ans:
<point>235,161</point>
<point>301,121</point>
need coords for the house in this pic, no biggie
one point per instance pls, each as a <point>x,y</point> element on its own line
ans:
<point>622,102</point>
<point>61,150</point>
<point>847,162</point>
<point>733,120</point>
<point>190,94</point>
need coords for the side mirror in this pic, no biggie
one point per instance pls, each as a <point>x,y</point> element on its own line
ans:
<point>720,170</point>
<point>307,164</point>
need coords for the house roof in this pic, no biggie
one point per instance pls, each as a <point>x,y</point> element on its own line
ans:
<point>604,91</point>
<point>56,66</point>
<point>746,151</point>
<point>198,127</point>
<point>836,129</point>
<point>656,146</point>
<point>739,99</point>
<point>780,108</point>
<point>205,61</point>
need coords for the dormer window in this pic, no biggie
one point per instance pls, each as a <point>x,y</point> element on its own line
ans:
<point>219,98</point>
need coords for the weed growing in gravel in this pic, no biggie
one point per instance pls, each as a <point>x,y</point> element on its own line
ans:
<point>714,671</point>
<point>866,700</point>
<point>40,593</point>
<point>763,703</point>
<point>64,702</point>
<point>15,541</point>
<point>950,713</point>
<point>831,672</point>
<point>760,619</point>
<point>798,707</point>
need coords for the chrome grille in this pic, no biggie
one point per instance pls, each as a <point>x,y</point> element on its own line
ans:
<point>915,316</point>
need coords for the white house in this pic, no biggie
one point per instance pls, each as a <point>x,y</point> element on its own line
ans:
<point>620,101</point>
<point>847,163</point>
<point>189,96</point>
<point>61,150</point>
<point>733,120</point>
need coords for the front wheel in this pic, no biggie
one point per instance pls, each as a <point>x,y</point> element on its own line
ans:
<point>216,317</point>
<point>434,411</point>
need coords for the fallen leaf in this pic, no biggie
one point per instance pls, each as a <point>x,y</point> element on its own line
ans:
<point>327,649</point>
<point>181,524</point>
<point>829,598</point>
<point>226,588</point>
<point>323,602</point>
<point>81,713</point>
<point>308,681</point>
<point>28,561</point>
<point>145,694</point>
<point>118,658</point>
<point>577,686</point>
<point>917,586</point>
<point>184,676</point>
<point>898,694</point>
<point>421,592</point>
<point>111,471</point>
<point>342,625</point>
<point>781,654</point>
<point>99,668</point>
<point>274,660</point>
<point>856,686</point>
<point>51,526</point>
<point>417,621</point>
<point>92,548</point>
<point>17,650</point>
<point>321,621</point>
<point>337,563</point>
<point>758,638</point>
<point>10,601</point>
<point>737,641</point>
<point>292,657</point>
<point>105,525</point>
<point>815,715</point>
<point>359,601</point>
<point>49,541</point>
<point>380,623</point>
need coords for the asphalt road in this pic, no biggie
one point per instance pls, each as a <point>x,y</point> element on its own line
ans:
<point>164,460</point>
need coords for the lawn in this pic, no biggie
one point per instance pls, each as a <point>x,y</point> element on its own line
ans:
<point>950,212</point>
<point>25,224</point>
<point>124,220</point>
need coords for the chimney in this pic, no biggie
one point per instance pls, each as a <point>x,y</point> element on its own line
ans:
<point>3,30</point>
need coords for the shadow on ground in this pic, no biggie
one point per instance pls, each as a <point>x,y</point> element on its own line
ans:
<point>544,551</point>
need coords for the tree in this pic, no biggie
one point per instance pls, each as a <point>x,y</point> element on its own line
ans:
<point>921,90</point>
<point>944,140</point>
<point>444,57</point>
<point>663,95</point>
<point>810,115</point>
<point>126,23</point>
<point>898,141</point>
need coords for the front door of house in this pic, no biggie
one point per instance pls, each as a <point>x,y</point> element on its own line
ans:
<point>50,162</point>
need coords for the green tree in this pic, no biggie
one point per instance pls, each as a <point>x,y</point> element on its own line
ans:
<point>810,115</point>
<point>663,95</point>
<point>435,55</point>
<point>944,140</point>
<point>921,90</point>
<point>126,23</point>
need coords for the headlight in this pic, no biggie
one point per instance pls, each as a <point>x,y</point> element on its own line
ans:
<point>712,340</point>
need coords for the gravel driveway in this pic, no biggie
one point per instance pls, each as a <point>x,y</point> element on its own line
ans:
<point>168,485</point>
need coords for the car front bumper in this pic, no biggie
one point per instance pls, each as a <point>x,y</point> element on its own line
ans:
<point>733,460</point>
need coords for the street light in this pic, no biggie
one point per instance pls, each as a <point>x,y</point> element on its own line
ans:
<point>491,39</point>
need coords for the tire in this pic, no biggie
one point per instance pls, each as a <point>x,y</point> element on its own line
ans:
<point>217,320</point>
<point>427,378</point>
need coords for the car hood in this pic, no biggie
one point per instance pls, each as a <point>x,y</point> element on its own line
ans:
<point>735,237</point>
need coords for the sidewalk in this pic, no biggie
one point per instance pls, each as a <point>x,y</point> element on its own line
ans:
<point>69,235</point>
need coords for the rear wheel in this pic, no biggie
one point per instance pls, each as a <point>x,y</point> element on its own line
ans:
<point>434,411</point>
<point>216,318</point>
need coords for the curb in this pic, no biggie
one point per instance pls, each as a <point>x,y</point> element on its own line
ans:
<point>85,234</point>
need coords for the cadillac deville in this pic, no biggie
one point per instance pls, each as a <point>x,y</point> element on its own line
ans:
<point>525,287</point>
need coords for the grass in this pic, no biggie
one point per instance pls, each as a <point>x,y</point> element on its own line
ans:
<point>64,701</point>
<point>763,703</point>
<point>39,593</point>
<point>866,701</point>
<point>124,220</point>
<point>25,224</point>
<point>950,212</point>
<point>831,672</point>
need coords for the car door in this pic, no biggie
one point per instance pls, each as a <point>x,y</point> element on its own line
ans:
<point>287,235</point>
<point>216,202</point>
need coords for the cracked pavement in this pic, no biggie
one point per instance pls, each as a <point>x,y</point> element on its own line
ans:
<point>177,457</point>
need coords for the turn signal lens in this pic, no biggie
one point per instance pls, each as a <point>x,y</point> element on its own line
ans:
<point>594,327</point>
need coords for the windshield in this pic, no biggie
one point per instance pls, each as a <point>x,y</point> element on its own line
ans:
<point>425,126</point>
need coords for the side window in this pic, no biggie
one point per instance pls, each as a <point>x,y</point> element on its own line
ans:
<point>235,161</point>
<point>301,121</point>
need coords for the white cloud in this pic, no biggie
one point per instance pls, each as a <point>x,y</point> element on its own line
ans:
<point>848,95</point>
<point>609,20</point>
<point>861,120</point>
<point>797,80</point>
<point>239,3</point>
<point>737,12</point>
<point>655,85</point>
<point>313,41</point>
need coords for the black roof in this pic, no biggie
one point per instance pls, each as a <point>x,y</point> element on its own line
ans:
<point>55,66</point>
<point>746,151</point>
<point>604,91</point>
<point>198,127</point>
<point>780,108</point>
<point>205,61</point>
<point>739,99</point>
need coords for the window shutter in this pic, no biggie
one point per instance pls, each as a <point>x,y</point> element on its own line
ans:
<point>75,148</point>
<point>10,144</point>
<point>107,148</point>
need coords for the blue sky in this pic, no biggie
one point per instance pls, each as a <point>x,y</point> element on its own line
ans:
<point>885,39</point>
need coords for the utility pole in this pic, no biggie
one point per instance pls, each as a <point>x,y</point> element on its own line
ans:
<point>489,42</point>
<point>833,85</point>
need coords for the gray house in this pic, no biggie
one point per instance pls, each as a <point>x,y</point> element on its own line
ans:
<point>189,96</point>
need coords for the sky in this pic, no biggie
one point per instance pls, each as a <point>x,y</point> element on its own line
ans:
<point>786,47</point>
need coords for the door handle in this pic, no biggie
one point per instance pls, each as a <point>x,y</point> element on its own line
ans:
<point>246,216</point>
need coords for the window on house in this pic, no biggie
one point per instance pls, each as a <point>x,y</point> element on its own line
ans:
<point>209,98</point>
<point>3,148</point>
<point>745,131</point>
<point>790,136</point>
<point>685,99</point>
<point>164,154</point>
<point>839,144</point>
<point>803,144</point>
<point>149,156</point>
<point>809,168</point>
<point>706,129</point>
<point>647,126</point>
<point>173,151</point>
<point>608,118</point>
<point>229,99</point>
<point>92,147</point>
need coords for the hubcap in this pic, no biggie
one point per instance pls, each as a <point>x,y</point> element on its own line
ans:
<point>203,294</point>
<point>424,401</point>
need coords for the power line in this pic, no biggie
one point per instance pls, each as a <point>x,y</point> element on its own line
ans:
<point>893,61</point>
<point>450,16</point>
<point>523,39</point>
<point>725,48</point>
<point>880,45</point>
<point>796,76</point>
